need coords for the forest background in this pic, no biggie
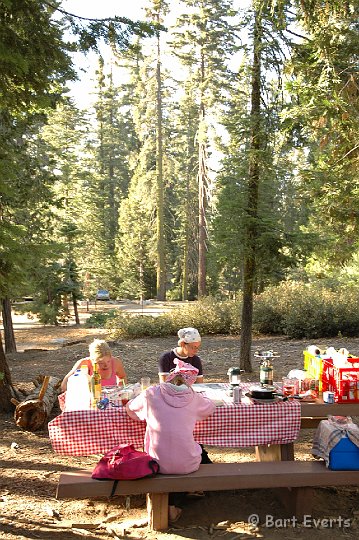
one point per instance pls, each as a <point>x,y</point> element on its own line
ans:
<point>222,161</point>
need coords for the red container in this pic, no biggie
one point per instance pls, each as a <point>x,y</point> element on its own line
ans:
<point>344,382</point>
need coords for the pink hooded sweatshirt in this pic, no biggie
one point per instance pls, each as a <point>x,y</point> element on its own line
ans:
<point>171,415</point>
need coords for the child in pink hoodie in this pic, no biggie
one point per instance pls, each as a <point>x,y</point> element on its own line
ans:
<point>171,411</point>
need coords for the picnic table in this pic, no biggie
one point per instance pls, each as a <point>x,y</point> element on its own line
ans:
<point>246,424</point>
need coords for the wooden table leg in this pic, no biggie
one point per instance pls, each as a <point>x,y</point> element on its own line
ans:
<point>157,511</point>
<point>287,452</point>
<point>275,452</point>
<point>298,501</point>
<point>268,452</point>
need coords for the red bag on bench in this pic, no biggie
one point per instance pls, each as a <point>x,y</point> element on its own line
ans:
<point>124,462</point>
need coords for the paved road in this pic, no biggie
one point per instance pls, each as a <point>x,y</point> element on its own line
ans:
<point>23,322</point>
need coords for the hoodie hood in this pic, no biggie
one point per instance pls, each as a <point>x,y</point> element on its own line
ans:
<point>176,397</point>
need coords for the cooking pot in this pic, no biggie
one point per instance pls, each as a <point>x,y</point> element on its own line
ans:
<point>263,392</point>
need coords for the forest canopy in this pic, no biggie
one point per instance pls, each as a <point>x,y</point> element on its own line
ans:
<point>219,156</point>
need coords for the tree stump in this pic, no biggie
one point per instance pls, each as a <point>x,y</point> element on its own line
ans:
<point>34,410</point>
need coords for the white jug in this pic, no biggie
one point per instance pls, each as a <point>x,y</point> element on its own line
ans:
<point>78,395</point>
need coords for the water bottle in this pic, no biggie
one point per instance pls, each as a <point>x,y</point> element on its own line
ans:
<point>78,395</point>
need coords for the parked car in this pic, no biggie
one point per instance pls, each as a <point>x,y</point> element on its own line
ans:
<point>102,294</point>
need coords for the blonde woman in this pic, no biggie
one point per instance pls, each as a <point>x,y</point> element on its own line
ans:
<point>110,368</point>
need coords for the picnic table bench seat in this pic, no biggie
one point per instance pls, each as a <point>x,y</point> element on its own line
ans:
<point>299,476</point>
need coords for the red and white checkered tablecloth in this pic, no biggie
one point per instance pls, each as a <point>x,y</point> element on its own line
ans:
<point>245,424</point>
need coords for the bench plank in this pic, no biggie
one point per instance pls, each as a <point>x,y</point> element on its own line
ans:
<point>212,477</point>
<point>297,477</point>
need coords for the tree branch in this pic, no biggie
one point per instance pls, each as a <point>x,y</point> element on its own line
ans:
<point>97,19</point>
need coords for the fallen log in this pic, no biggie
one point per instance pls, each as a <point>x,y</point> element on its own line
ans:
<point>33,411</point>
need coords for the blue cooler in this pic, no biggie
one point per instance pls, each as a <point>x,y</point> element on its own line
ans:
<point>344,456</point>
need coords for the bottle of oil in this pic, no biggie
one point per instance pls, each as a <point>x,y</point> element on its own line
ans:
<point>95,386</point>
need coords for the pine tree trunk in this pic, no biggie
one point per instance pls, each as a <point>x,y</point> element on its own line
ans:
<point>202,235</point>
<point>202,207</point>
<point>185,265</point>
<point>9,336</point>
<point>249,263</point>
<point>65,305</point>
<point>76,311</point>
<point>5,383</point>
<point>161,264</point>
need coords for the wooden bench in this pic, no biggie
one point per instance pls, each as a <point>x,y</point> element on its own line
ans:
<point>299,476</point>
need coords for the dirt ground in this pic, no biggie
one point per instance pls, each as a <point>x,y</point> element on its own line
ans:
<point>30,469</point>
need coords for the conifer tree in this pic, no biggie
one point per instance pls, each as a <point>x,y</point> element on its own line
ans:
<point>185,190</point>
<point>153,170</point>
<point>203,42</point>
<point>325,112</point>
<point>157,11</point>
<point>253,182</point>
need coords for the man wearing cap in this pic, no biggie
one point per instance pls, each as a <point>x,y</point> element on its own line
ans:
<point>189,342</point>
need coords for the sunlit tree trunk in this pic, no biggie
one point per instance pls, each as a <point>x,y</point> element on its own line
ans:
<point>202,207</point>
<point>185,267</point>
<point>161,263</point>
<point>249,265</point>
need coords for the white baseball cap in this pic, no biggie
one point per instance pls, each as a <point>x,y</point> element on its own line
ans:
<point>189,335</point>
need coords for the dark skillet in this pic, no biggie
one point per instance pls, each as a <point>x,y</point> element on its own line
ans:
<point>263,392</point>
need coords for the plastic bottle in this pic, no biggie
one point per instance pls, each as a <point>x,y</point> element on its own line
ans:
<point>78,396</point>
<point>96,388</point>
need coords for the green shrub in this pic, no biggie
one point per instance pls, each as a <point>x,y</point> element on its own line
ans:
<point>235,314</point>
<point>135,326</point>
<point>267,315</point>
<point>209,316</point>
<point>100,318</point>
<point>297,310</point>
<point>52,314</point>
<point>302,310</point>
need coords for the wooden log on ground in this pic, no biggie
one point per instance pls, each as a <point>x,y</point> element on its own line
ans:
<point>32,413</point>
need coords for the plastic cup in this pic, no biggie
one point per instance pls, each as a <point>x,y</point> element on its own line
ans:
<point>125,397</point>
<point>145,383</point>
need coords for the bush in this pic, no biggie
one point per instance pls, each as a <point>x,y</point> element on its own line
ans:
<point>267,315</point>
<point>136,326</point>
<point>208,316</point>
<point>297,310</point>
<point>302,310</point>
<point>100,318</point>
